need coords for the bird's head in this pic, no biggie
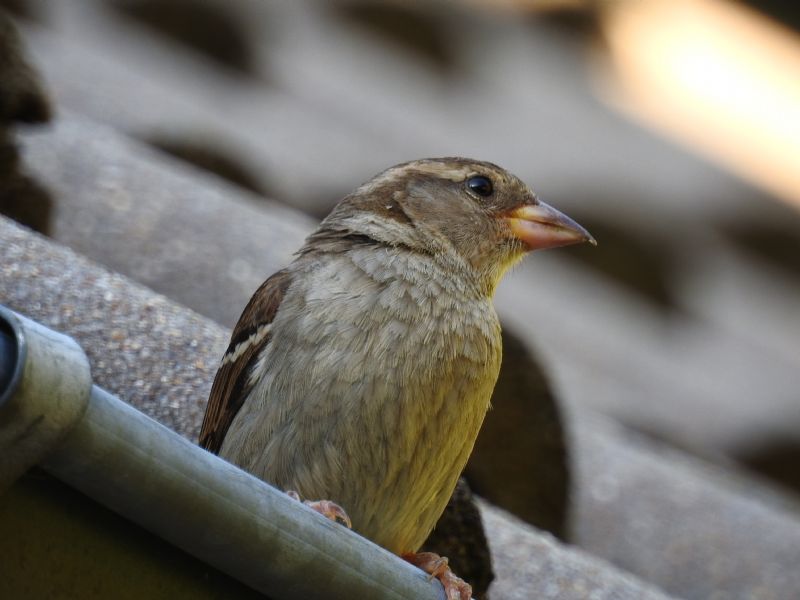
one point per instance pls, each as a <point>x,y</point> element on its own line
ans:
<point>472,212</point>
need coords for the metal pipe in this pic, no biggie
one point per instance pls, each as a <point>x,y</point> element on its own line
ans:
<point>217,512</point>
<point>9,364</point>
<point>47,386</point>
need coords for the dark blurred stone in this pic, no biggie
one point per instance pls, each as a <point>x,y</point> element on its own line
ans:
<point>775,237</point>
<point>459,536</point>
<point>19,8</point>
<point>787,13</point>
<point>636,263</point>
<point>521,460</point>
<point>417,29</point>
<point>777,459</point>
<point>580,21</point>
<point>21,95</point>
<point>21,99</point>
<point>208,28</point>
<point>209,157</point>
<point>21,196</point>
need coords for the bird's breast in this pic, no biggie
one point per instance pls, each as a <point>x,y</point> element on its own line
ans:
<point>375,385</point>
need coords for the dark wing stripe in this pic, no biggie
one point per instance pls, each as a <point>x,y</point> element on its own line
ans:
<point>250,336</point>
<point>227,396</point>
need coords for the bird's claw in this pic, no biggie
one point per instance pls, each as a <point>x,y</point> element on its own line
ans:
<point>437,567</point>
<point>326,508</point>
<point>330,510</point>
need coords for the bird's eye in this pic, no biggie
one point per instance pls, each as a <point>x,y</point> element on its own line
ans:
<point>480,185</point>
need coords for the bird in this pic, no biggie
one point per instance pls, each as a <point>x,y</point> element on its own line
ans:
<point>361,373</point>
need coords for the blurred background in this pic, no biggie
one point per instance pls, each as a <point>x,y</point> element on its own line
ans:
<point>669,128</point>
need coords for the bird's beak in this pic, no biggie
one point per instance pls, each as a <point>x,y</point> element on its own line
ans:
<point>541,226</point>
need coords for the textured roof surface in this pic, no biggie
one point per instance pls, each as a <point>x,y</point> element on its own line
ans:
<point>645,373</point>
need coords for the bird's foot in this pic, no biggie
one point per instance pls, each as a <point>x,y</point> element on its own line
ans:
<point>326,508</point>
<point>436,566</point>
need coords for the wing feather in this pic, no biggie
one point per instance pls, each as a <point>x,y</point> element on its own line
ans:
<point>250,336</point>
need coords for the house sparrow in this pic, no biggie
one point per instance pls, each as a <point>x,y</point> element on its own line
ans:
<point>361,373</point>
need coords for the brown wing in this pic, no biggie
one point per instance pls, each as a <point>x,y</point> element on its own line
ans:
<point>250,336</point>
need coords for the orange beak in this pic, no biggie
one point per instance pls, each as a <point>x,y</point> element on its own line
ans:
<point>541,226</point>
